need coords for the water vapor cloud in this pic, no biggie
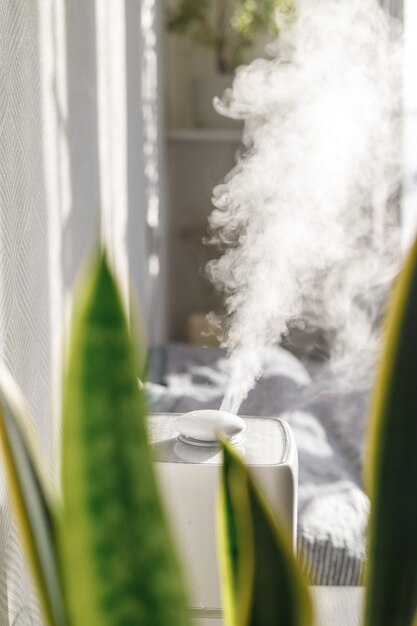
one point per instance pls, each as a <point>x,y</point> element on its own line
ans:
<point>307,219</point>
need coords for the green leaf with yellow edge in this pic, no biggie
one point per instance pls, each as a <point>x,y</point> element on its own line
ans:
<point>118,562</point>
<point>391,464</point>
<point>234,527</point>
<point>29,498</point>
<point>262,583</point>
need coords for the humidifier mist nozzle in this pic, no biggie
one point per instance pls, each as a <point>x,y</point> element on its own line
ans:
<point>203,428</point>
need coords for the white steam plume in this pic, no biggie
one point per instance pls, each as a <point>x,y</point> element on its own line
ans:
<point>307,218</point>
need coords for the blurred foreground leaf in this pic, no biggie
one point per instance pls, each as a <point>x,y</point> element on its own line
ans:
<point>30,499</point>
<point>391,468</point>
<point>262,584</point>
<point>118,562</point>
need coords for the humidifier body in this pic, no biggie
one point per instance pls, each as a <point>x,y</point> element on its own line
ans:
<point>188,478</point>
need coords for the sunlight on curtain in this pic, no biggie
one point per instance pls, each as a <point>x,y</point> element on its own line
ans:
<point>79,155</point>
<point>151,157</point>
<point>111,104</point>
<point>56,159</point>
<point>25,290</point>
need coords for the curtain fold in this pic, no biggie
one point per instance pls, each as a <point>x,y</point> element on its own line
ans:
<point>80,154</point>
<point>25,332</point>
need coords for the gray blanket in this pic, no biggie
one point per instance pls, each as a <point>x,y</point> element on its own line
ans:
<point>328,427</point>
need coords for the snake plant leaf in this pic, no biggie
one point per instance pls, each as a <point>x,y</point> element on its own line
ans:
<point>262,583</point>
<point>118,561</point>
<point>29,496</point>
<point>391,467</point>
<point>234,528</point>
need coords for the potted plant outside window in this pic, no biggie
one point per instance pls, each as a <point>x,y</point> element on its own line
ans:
<point>230,29</point>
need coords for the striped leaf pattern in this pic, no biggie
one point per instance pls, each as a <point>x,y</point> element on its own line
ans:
<point>391,470</point>
<point>119,567</point>
<point>262,583</point>
<point>31,503</point>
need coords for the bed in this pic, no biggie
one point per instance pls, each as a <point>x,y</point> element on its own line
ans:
<point>328,427</point>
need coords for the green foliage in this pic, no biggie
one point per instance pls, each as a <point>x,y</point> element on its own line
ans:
<point>105,558</point>
<point>118,563</point>
<point>107,551</point>
<point>262,583</point>
<point>30,499</point>
<point>227,26</point>
<point>391,469</point>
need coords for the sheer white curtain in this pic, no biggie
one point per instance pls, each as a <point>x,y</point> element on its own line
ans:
<point>80,155</point>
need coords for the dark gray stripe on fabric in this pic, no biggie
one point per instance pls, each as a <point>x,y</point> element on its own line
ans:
<point>326,564</point>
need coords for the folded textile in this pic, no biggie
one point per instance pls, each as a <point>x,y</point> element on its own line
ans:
<point>328,426</point>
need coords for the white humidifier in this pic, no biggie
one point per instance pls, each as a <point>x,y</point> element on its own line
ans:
<point>188,465</point>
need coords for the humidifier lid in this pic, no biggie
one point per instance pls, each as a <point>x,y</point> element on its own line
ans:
<point>265,441</point>
<point>202,428</point>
